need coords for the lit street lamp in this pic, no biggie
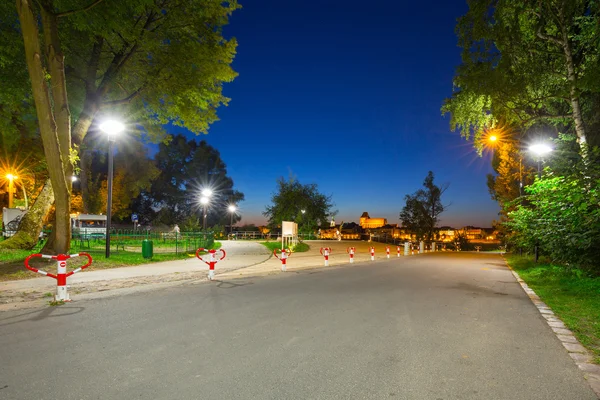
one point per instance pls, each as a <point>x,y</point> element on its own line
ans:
<point>540,150</point>
<point>205,200</point>
<point>231,209</point>
<point>11,189</point>
<point>111,128</point>
<point>303,212</point>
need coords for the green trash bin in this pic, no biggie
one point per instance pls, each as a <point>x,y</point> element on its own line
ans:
<point>147,248</point>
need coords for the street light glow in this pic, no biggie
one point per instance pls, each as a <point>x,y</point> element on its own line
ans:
<point>10,177</point>
<point>540,149</point>
<point>232,208</point>
<point>207,192</point>
<point>112,127</point>
<point>204,200</point>
<point>493,138</point>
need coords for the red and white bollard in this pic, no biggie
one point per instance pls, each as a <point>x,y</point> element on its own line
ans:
<point>212,260</point>
<point>325,253</point>
<point>387,251</point>
<point>351,251</point>
<point>372,253</point>
<point>285,253</point>
<point>61,271</point>
<point>398,250</point>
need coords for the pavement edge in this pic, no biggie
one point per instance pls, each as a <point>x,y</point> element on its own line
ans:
<point>577,352</point>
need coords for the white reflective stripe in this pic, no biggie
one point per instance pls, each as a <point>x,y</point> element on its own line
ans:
<point>73,255</point>
<point>77,270</point>
<point>42,272</point>
<point>45,256</point>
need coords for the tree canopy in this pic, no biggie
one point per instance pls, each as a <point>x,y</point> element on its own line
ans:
<point>186,168</point>
<point>157,61</point>
<point>422,209</point>
<point>291,198</point>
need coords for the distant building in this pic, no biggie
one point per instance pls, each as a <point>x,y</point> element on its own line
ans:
<point>367,222</point>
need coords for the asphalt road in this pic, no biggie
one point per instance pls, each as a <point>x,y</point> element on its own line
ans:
<point>442,326</point>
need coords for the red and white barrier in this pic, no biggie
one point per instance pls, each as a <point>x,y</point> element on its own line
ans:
<point>325,253</point>
<point>285,253</point>
<point>387,251</point>
<point>351,251</point>
<point>61,271</point>
<point>212,260</point>
<point>398,250</point>
<point>372,253</point>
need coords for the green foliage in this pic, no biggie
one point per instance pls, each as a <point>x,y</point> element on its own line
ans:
<point>563,215</point>
<point>298,248</point>
<point>186,167</point>
<point>291,198</point>
<point>516,63</point>
<point>422,209</point>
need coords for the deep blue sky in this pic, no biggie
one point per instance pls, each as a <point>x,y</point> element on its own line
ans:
<point>347,95</point>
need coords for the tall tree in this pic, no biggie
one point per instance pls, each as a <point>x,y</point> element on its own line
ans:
<point>525,63</point>
<point>186,167</point>
<point>422,209</point>
<point>291,198</point>
<point>48,83</point>
<point>157,61</point>
<point>118,54</point>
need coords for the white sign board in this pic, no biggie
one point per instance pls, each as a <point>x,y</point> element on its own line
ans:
<point>289,228</point>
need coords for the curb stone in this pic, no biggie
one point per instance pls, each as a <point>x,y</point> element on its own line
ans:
<point>578,353</point>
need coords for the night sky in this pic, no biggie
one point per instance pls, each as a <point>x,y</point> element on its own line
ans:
<point>347,95</point>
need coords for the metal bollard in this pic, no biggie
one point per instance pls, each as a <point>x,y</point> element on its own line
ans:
<point>325,253</point>
<point>406,248</point>
<point>61,271</point>
<point>285,253</point>
<point>212,260</point>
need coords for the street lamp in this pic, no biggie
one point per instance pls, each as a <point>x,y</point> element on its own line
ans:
<point>303,212</point>
<point>11,188</point>
<point>231,209</point>
<point>540,150</point>
<point>111,128</point>
<point>204,201</point>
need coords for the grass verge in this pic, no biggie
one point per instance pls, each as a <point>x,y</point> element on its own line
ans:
<point>571,294</point>
<point>299,248</point>
<point>12,267</point>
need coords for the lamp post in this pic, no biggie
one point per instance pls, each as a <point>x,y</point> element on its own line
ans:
<point>303,213</point>
<point>11,189</point>
<point>205,200</point>
<point>231,209</point>
<point>539,150</point>
<point>111,128</point>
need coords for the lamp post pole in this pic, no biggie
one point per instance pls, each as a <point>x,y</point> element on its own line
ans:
<point>111,128</point>
<point>539,150</point>
<point>11,189</point>
<point>231,209</point>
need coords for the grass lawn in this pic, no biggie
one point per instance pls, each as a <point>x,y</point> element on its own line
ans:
<point>12,267</point>
<point>571,294</point>
<point>299,248</point>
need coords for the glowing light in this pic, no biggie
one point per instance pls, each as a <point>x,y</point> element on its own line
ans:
<point>540,149</point>
<point>232,208</point>
<point>207,192</point>
<point>204,200</point>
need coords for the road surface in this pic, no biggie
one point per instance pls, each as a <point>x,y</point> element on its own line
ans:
<point>440,326</point>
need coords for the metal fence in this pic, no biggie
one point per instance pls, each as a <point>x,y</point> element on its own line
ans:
<point>131,241</point>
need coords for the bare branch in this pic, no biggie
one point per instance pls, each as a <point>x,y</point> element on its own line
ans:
<point>71,12</point>
<point>125,100</point>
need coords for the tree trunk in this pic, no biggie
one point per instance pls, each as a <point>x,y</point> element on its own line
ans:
<point>54,132</point>
<point>31,225</point>
<point>574,96</point>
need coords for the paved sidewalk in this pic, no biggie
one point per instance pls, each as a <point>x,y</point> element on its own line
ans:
<point>243,259</point>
